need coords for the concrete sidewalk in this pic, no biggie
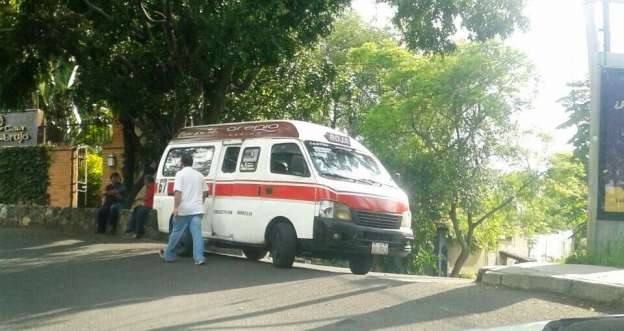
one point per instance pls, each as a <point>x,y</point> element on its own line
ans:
<point>587,282</point>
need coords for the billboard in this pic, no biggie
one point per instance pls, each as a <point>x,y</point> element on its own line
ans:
<point>611,161</point>
<point>20,129</point>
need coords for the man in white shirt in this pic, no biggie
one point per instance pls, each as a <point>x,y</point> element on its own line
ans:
<point>190,191</point>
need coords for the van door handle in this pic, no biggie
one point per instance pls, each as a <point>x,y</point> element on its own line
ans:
<point>259,190</point>
<point>268,190</point>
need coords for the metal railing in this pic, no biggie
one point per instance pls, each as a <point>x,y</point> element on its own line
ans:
<point>86,133</point>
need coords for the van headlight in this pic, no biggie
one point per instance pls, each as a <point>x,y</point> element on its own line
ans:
<point>406,220</point>
<point>334,210</point>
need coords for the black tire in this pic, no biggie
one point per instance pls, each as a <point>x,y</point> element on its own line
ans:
<point>361,264</point>
<point>185,245</point>
<point>254,253</point>
<point>283,240</point>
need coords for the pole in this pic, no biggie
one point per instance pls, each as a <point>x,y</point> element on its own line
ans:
<point>606,31</point>
<point>594,74</point>
<point>606,28</point>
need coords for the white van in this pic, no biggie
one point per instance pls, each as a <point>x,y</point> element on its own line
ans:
<point>292,188</point>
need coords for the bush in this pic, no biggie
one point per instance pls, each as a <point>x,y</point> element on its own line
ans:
<point>615,258</point>
<point>24,175</point>
<point>94,179</point>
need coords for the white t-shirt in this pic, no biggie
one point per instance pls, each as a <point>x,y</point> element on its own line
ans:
<point>192,184</point>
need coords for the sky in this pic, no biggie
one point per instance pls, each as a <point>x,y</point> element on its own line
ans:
<point>556,45</point>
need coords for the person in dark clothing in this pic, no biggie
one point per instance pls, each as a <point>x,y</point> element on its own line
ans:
<point>108,214</point>
<point>140,213</point>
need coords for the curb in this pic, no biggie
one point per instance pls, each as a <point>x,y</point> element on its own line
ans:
<point>574,288</point>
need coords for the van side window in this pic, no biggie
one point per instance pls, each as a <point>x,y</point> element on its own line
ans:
<point>287,159</point>
<point>202,159</point>
<point>229,159</point>
<point>249,163</point>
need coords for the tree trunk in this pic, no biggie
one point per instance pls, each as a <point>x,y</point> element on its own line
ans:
<point>461,259</point>
<point>464,252</point>
<point>129,163</point>
<point>216,94</point>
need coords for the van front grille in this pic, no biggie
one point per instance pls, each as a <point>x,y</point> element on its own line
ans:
<point>376,220</point>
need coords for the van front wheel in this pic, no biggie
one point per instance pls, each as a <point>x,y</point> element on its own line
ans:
<point>283,245</point>
<point>254,253</point>
<point>361,264</point>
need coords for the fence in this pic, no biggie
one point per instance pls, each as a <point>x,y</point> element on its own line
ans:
<point>86,133</point>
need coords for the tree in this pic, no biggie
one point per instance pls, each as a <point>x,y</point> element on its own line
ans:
<point>556,201</point>
<point>578,107</point>
<point>156,64</point>
<point>320,83</point>
<point>160,64</point>
<point>430,25</point>
<point>445,119</point>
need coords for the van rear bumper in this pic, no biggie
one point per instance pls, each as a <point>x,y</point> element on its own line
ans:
<point>333,238</point>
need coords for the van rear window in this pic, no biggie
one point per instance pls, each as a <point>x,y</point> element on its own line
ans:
<point>202,159</point>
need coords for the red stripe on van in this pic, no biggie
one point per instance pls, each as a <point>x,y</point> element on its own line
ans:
<point>310,193</point>
<point>372,204</point>
<point>240,190</point>
<point>303,193</point>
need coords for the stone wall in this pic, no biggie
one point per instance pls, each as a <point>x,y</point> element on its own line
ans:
<point>69,219</point>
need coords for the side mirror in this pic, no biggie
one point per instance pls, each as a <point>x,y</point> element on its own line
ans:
<point>396,177</point>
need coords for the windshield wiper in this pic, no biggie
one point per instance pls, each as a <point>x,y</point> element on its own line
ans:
<point>368,181</point>
<point>335,175</point>
<point>372,181</point>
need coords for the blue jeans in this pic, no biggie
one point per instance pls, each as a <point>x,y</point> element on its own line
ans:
<point>180,223</point>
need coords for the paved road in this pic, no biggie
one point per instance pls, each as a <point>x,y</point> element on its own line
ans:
<point>54,281</point>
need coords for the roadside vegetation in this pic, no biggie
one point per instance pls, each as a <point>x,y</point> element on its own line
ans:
<point>614,259</point>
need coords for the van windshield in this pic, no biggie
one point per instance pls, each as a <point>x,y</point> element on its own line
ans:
<point>337,162</point>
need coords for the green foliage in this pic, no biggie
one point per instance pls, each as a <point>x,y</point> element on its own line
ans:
<point>615,258</point>
<point>430,25</point>
<point>24,175</point>
<point>319,84</point>
<point>94,178</point>
<point>578,107</point>
<point>441,121</point>
<point>157,65</point>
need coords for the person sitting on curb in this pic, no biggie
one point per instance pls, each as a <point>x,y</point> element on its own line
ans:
<point>190,191</point>
<point>112,203</point>
<point>140,213</point>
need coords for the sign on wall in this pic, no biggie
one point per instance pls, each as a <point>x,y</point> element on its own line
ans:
<point>20,129</point>
<point>611,161</point>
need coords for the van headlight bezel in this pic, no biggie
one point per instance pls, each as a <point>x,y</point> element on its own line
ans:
<point>406,219</point>
<point>334,210</point>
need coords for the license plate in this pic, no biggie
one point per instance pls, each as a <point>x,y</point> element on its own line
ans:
<point>379,248</point>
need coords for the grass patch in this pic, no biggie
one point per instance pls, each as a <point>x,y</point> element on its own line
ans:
<point>615,258</point>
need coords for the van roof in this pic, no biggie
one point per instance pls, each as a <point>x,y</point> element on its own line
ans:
<point>266,129</point>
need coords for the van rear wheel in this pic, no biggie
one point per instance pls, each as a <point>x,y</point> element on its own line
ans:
<point>283,245</point>
<point>361,264</point>
<point>254,253</point>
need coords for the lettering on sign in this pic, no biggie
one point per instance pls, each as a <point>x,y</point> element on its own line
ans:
<point>238,131</point>
<point>13,134</point>
<point>244,213</point>
<point>338,139</point>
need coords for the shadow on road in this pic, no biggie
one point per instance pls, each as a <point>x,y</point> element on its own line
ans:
<point>41,279</point>
<point>47,278</point>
